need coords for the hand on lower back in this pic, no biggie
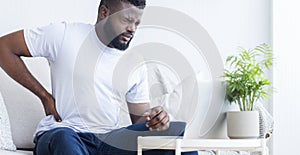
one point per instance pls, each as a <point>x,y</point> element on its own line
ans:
<point>49,107</point>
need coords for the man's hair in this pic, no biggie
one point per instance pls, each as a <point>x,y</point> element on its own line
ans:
<point>138,3</point>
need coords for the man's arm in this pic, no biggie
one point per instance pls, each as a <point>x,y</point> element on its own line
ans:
<point>12,47</point>
<point>156,118</point>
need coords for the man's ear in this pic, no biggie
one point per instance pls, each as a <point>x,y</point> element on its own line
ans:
<point>103,12</point>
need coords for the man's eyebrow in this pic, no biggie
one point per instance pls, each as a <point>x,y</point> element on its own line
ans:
<point>126,16</point>
<point>129,18</point>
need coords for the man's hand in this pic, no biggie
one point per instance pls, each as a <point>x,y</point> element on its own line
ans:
<point>157,119</point>
<point>49,107</point>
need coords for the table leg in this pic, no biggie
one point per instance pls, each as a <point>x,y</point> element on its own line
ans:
<point>140,150</point>
<point>264,148</point>
<point>178,147</point>
<point>218,152</point>
<point>264,151</point>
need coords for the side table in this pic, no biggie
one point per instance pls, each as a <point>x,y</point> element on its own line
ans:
<point>180,144</point>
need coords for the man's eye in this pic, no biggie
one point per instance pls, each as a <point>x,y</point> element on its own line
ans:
<point>126,20</point>
<point>137,23</point>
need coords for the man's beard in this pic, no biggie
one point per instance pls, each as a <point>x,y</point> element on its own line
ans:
<point>116,38</point>
<point>116,43</point>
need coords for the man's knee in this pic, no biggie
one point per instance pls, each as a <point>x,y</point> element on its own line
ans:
<point>63,134</point>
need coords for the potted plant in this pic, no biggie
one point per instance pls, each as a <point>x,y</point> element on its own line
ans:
<point>247,83</point>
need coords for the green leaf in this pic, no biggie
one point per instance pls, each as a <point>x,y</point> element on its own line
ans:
<point>245,77</point>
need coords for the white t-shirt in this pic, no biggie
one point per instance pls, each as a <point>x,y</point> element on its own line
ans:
<point>83,77</point>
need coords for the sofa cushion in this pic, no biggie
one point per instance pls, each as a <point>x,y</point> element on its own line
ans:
<point>6,142</point>
<point>24,109</point>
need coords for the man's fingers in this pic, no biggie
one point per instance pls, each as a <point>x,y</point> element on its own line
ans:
<point>147,115</point>
<point>165,127</point>
<point>161,125</point>
<point>49,107</point>
<point>55,114</point>
<point>155,111</point>
<point>57,117</point>
<point>151,113</point>
<point>157,118</point>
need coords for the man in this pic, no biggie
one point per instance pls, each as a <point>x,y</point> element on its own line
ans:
<point>82,118</point>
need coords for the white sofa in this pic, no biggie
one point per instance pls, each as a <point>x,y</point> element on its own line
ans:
<point>23,108</point>
<point>24,112</point>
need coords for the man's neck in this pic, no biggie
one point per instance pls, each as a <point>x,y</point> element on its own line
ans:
<point>100,34</point>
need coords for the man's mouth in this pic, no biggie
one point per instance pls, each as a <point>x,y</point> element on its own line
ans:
<point>126,37</point>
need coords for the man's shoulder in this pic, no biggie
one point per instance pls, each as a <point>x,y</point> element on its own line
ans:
<point>61,28</point>
<point>78,26</point>
<point>77,30</point>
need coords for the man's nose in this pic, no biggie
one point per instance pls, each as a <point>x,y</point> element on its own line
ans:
<point>131,28</point>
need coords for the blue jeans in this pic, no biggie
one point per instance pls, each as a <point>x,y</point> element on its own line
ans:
<point>123,141</point>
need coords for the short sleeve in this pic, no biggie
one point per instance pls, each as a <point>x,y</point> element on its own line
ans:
<point>139,92</point>
<point>45,41</point>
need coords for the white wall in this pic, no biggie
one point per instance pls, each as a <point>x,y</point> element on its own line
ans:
<point>286,77</point>
<point>230,23</point>
<point>19,14</point>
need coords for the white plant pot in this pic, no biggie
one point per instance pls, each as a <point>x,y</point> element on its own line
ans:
<point>243,124</point>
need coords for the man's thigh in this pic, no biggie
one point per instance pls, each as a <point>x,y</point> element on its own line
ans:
<point>60,141</point>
